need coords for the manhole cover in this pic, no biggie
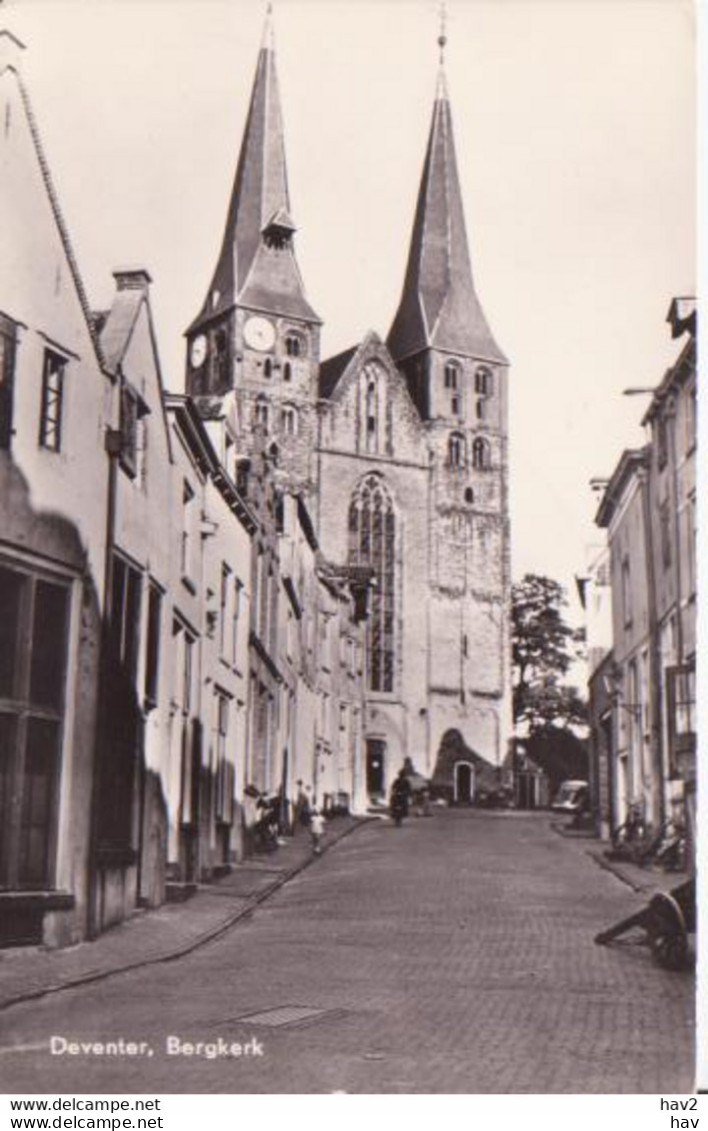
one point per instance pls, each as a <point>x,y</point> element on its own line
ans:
<point>283,1015</point>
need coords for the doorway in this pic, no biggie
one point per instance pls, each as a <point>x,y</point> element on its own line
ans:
<point>464,783</point>
<point>375,767</point>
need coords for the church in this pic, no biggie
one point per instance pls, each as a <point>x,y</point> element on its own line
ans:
<point>398,447</point>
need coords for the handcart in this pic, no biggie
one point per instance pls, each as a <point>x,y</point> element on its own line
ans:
<point>668,920</point>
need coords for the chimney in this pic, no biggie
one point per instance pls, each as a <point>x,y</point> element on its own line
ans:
<point>132,279</point>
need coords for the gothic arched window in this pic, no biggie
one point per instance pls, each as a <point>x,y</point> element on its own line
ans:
<point>288,420</point>
<point>261,413</point>
<point>372,543</point>
<point>481,460</point>
<point>456,450</point>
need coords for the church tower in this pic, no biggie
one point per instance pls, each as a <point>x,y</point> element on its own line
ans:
<point>253,349</point>
<point>457,378</point>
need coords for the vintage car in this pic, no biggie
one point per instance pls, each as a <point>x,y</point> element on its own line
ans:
<point>572,797</point>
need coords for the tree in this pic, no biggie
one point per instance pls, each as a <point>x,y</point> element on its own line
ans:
<point>543,649</point>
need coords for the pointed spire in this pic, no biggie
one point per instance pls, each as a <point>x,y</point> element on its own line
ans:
<point>260,202</point>
<point>439,307</point>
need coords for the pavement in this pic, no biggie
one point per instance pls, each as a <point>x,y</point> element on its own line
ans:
<point>452,955</point>
<point>167,933</point>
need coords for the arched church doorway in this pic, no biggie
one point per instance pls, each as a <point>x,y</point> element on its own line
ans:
<point>375,767</point>
<point>464,783</point>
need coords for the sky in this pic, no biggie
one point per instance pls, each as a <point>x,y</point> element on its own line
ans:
<point>575,130</point>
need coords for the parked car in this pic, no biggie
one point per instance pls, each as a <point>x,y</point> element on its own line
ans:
<point>572,797</point>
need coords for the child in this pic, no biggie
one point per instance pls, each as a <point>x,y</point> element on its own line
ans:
<point>317,822</point>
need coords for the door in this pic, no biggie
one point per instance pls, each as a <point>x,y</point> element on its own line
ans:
<point>463,783</point>
<point>375,767</point>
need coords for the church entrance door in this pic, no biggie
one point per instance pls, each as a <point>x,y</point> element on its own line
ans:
<point>375,767</point>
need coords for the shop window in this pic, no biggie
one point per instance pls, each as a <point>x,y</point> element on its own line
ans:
<point>34,622</point>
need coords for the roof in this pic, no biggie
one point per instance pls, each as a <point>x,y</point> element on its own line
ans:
<point>630,462</point>
<point>247,271</point>
<point>202,449</point>
<point>439,306</point>
<point>332,369</point>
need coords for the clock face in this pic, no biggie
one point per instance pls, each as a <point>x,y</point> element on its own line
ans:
<point>259,333</point>
<point>198,351</point>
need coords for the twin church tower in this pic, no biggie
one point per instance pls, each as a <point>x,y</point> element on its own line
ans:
<point>397,447</point>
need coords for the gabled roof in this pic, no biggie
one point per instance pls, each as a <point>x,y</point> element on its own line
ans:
<point>332,369</point>
<point>439,307</point>
<point>630,462</point>
<point>247,271</point>
<point>10,47</point>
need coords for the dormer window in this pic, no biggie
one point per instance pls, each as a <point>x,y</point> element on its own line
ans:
<point>483,382</point>
<point>278,232</point>
<point>452,375</point>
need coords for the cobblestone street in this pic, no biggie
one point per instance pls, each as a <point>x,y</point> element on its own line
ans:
<point>452,955</point>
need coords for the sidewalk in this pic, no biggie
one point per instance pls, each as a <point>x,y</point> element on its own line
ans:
<point>167,932</point>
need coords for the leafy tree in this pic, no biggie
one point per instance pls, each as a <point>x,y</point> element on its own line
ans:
<point>543,649</point>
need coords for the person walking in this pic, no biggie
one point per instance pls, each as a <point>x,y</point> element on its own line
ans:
<point>317,824</point>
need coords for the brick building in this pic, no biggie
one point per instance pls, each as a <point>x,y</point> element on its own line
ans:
<point>649,511</point>
<point>398,447</point>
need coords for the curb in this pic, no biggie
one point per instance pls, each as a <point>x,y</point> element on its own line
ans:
<point>186,948</point>
<point>610,866</point>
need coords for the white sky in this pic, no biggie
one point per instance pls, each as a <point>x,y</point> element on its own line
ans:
<point>574,124</point>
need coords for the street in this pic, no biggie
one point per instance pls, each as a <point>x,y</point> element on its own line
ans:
<point>454,954</point>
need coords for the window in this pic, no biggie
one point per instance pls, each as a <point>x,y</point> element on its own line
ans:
<point>691,418</point>
<point>188,531</point>
<point>456,450</point>
<point>8,344</point>
<point>124,630</point>
<point>287,371</point>
<point>294,345</point>
<point>626,594</point>
<point>129,431</point>
<point>288,420</point>
<point>481,409</point>
<point>662,445</point>
<point>469,495</point>
<point>681,711</point>
<point>690,513</point>
<point>455,405</point>
<point>50,423</point>
<point>267,368</point>
<point>372,542</point>
<point>236,612</point>
<point>371,444</point>
<point>665,526</point>
<point>261,413</point>
<point>34,623</point>
<point>481,460</point>
<point>224,769</point>
<point>224,596</point>
<point>220,360</point>
<point>152,649</point>
<point>452,375</point>
<point>483,382</point>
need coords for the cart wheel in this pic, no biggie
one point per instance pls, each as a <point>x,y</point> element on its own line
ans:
<point>670,950</point>
<point>667,932</point>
